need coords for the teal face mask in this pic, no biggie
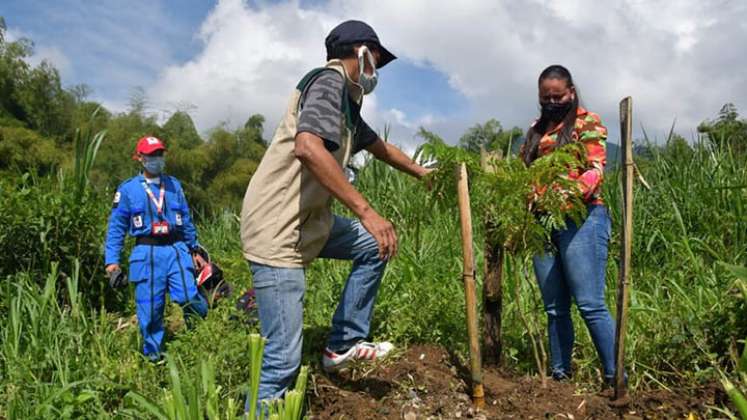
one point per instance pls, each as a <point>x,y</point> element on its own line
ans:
<point>154,164</point>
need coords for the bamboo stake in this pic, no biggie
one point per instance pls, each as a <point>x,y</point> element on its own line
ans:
<point>465,217</point>
<point>626,124</point>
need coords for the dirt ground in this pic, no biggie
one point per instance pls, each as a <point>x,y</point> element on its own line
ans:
<point>426,383</point>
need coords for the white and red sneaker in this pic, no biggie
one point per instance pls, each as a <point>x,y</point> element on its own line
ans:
<point>363,350</point>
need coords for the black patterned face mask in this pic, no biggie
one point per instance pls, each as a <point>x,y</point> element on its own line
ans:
<point>555,111</point>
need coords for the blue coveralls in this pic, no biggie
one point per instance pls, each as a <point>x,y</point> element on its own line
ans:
<point>154,269</point>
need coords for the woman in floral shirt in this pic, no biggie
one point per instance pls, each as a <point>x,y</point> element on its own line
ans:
<point>576,266</point>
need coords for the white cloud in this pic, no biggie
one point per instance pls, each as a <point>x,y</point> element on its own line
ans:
<point>677,59</point>
<point>660,52</point>
<point>249,64</point>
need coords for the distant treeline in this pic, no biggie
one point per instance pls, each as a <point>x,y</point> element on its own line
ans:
<point>39,117</point>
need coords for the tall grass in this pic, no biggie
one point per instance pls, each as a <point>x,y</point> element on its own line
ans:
<point>692,218</point>
<point>62,355</point>
<point>86,145</point>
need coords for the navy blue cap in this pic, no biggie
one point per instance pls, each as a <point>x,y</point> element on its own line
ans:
<point>357,32</point>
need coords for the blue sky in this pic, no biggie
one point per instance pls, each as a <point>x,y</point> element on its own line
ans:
<point>460,63</point>
<point>94,39</point>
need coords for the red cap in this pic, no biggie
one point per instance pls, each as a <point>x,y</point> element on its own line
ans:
<point>148,145</point>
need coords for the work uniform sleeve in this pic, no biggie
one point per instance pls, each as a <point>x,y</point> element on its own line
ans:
<point>119,223</point>
<point>190,232</point>
<point>320,109</point>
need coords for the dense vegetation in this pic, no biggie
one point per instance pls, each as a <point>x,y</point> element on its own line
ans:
<point>70,346</point>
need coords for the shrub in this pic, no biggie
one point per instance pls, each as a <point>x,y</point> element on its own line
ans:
<point>42,222</point>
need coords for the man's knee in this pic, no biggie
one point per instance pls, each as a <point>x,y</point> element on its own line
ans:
<point>370,252</point>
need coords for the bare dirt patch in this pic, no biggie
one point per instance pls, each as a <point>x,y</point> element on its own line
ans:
<point>426,382</point>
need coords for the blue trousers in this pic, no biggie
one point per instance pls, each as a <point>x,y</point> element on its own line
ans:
<point>280,295</point>
<point>154,270</point>
<point>577,270</point>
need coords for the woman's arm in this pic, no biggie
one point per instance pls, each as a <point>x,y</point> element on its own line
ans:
<point>593,136</point>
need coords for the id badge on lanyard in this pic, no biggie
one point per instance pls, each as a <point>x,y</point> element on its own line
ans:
<point>160,227</point>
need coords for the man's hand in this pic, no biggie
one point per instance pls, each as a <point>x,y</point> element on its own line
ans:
<point>112,268</point>
<point>389,153</point>
<point>424,175</point>
<point>383,231</point>
<point>198,261</point>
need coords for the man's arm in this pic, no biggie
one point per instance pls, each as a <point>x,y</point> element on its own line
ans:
<point>119,222</point>
<point>316,158</point>
<point>395,158</point>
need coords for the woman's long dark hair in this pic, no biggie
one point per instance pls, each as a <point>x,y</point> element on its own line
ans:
<point>535,133</point>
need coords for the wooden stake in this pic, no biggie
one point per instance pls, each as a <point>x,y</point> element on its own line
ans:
<point>470,296</point>
<point>492,287</point>
<point>626,128</point>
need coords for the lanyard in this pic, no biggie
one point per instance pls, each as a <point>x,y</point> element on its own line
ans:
<point>158,203</point>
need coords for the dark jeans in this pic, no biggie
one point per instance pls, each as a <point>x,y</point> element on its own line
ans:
<point>577,270</point>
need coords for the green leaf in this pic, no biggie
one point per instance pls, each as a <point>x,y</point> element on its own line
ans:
<point>147,405</point>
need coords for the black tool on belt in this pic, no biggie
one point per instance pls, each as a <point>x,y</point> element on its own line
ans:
<point>159,240</point>
<point>117,279</point>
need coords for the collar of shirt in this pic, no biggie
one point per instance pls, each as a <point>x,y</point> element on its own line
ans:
<point>156,180</point>
<point>580,112</point>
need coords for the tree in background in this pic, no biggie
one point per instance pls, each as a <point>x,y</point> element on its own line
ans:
<point>727,130</point>
<point>23,151</point>
<point>32,97</point>
<point>181,131</point>
<point>489,136</point>
<point>679,147</point>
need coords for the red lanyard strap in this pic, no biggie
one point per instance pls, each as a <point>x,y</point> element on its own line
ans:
<point>158,203</point>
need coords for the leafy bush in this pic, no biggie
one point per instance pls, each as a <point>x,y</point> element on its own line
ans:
<point>42,223</point>
<point>520,204</point>
<point>24,150</point>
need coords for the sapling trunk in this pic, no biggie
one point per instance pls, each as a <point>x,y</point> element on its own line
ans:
<point>493,302</point>
<point>492,290</point>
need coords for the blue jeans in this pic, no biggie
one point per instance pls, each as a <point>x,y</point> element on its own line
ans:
<point>280,295</point>
<point>577,269</point>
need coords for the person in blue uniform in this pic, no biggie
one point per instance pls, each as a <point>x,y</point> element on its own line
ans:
<point>152,208</point>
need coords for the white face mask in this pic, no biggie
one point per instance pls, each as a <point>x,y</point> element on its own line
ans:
<point>367,81</point>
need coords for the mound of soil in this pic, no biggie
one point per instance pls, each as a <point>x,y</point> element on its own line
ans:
<point>427,383</point>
